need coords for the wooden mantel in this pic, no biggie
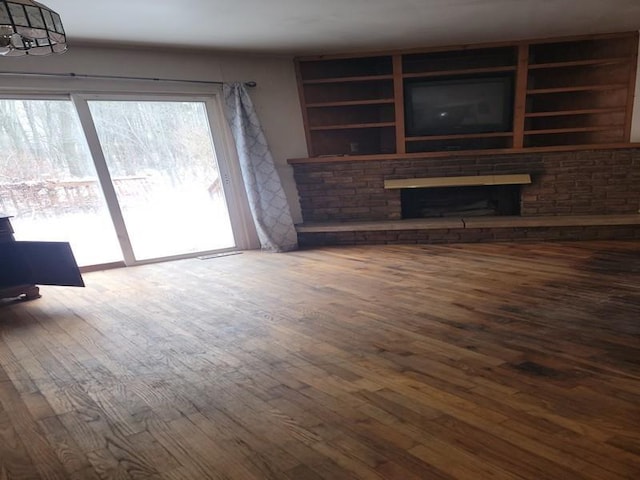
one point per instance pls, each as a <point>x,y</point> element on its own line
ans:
<point>464,181</point>
<point>453,154</point>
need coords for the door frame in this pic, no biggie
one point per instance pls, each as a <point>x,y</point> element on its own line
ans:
<point>231,182</point>
<point>233,187</point>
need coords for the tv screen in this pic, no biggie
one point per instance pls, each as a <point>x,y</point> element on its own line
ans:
<point>447,107</point>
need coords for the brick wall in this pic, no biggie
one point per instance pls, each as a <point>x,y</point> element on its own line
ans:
<point>563,183</point>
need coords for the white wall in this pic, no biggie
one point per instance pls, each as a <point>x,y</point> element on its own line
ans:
<point>275,97</point>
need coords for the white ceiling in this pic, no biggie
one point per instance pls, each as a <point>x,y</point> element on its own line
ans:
<point>316,26</point>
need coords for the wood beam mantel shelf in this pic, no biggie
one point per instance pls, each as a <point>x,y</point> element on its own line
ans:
<point>457,154</point>
<point>465,181</point>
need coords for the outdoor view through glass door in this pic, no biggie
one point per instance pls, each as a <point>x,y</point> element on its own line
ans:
<point>161,164</point>
<point>48,181</point>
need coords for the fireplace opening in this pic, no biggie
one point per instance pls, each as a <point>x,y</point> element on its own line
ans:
<point>466,201</point>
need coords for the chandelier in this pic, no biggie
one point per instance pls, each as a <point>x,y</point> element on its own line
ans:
<point>30,28</point>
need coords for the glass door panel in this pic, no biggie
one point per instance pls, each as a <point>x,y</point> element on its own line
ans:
<point>163,166</point>
<point>48,180</point>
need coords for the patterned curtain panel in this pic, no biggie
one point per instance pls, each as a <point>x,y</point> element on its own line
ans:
<point>267,200</point>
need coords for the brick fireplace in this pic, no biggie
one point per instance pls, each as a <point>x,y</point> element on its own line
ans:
<point>565,186</point>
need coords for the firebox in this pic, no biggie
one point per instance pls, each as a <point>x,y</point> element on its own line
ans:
<point>460,201</point>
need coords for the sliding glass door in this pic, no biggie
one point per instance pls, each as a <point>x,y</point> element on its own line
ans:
<point>130,180</point>
<point>48,181</point>
<point>162,163</point>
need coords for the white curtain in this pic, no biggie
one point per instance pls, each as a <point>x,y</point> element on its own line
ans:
<point>267,201</point>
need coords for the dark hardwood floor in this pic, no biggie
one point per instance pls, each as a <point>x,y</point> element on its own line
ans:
<point>484,361</point>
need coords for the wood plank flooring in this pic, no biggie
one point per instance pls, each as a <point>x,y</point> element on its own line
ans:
<point>483,361</point>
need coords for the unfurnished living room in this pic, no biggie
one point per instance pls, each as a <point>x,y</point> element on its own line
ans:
<point>295,240</point>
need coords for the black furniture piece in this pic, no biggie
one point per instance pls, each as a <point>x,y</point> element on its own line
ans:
<point>24,265</point>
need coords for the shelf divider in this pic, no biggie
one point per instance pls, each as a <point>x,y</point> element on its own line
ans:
<point>520,96</point>
<point>555,131</point>
<point>351,126</point>
<point>579,63</point>
<point>363,78</point>
<point>458,136</point>
<point>349,103</point>
<point>398,93</point>
<point>586,111</point>
<point>465,71</point>
<point>577,88</point>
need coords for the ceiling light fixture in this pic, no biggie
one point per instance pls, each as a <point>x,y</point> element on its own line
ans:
<point>30,28</point>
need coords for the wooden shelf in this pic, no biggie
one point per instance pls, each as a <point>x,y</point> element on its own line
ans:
<point>579,63</point>
<point>351,103</point>
<point>580,86</point>
<point>467,71</point>
<point>555,131</point>
<point>461,153</point>
<point>588,111</point>
<point>459,136</point>
<point>353,125</point>
<point>577,88</point>
<point>364,78</point>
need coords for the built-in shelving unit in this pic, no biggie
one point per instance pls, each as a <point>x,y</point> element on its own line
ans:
<point>580,91</point>
<point>349,105</point>
<point>568,91</point>
<point>467,71</point>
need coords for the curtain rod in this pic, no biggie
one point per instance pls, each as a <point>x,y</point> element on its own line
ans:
<point>116,77</point>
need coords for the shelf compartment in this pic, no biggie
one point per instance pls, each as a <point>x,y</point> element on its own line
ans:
<point>468,71</point>
<point>459,144</point>
<point>348,92</point>
<point>550,103</point>
<point>322,70</point>
<point>458,61</point>
<point>606,120</point>
<point>354,141</point>
<point>581,76</point>
<point>561,138</point>
<point>350,116</point>
<point>578,50</point>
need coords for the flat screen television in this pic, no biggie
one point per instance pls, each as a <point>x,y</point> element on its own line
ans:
<point>458,106</point>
